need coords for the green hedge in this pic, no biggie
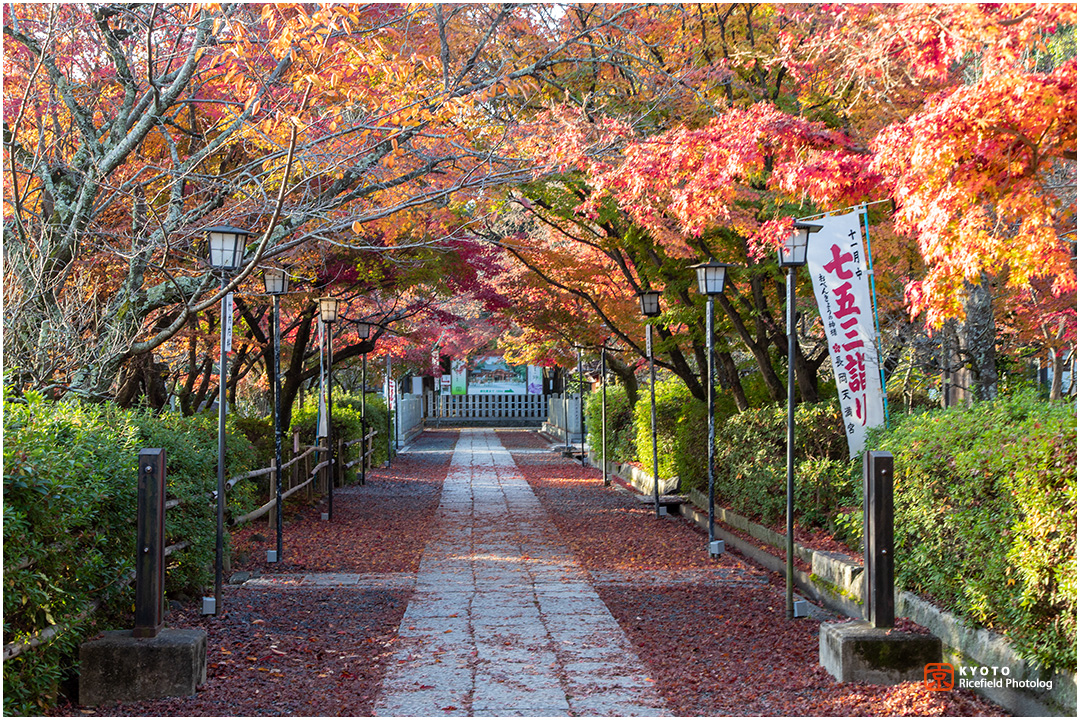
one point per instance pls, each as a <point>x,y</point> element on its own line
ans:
<point>620,431</point>
<point>985,502</point>
<point>70,498</point>
<point>346,424</point>
<point>751,465</point>
<point>681,432</point>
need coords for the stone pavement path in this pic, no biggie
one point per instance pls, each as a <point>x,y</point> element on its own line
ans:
<point>503,622</point>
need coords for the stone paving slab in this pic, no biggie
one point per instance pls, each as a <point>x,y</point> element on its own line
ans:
<point>503,622</point>
<point>307,581</point>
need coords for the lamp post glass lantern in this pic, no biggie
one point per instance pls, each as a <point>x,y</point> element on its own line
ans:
<point>792,252</point>
<point>276,284</point>
<point>328,309</point>
<point>711,276</point>
<point>226,246</point>
<point>650,302</point>
<point>225,251</point>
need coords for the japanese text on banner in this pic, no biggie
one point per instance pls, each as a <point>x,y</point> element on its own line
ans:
<point>837,265</point>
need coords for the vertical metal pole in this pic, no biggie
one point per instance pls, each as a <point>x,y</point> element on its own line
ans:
<point>397,417</point>
<point>566,412</point>
<point>581,405</point>
<point>712,424</point>
<point>150,544</point>
<point>652,407</point>
<point>363,421</point>
<point>277,421</point>
<point>389,438</point>
<point>331,470</point>
<point>789,588</point>
<point>219,549</point>
<point>322,396</point>
<point>878,538</point>
<point>603,413</point>
<point>877,324</point>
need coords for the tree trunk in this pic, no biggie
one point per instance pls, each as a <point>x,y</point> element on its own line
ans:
<point>730,373</point>
<point>977,341</point>
<point>626,376</point>
<point>1058,369</point>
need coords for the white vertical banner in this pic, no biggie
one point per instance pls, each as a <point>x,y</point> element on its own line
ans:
<point>228,320</point>
<point>534,380</point>
<point>837,264</point>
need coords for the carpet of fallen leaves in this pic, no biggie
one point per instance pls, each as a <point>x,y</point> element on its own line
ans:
<point>314,652</point>
<point>713,648</point>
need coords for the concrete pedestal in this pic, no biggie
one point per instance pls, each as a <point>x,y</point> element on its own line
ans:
<point>120,667</point>
<point>859,652</point>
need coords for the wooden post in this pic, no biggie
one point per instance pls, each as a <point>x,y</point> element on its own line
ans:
<point>339,469</point>
<point>878,538</point>
<point>294,476</point>
<point>272,515</point>
<point>150,545</point>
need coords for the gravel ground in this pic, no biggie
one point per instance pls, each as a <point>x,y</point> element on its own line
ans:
<point>711,631</point>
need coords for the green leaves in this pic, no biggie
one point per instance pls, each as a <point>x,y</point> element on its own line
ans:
<point>986,518</point>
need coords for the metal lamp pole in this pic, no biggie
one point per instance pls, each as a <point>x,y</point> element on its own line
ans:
<point>328,310</point>
<point>603,414</point>
<point>792,255</point>
<point>276,283</point>
<point>710,277</point>
<point>363,330</point>
<point>226,253</point>
<point>650,307</point>
<point>581,404</point>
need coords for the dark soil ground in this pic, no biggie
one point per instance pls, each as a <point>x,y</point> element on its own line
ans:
<point>712,648</point>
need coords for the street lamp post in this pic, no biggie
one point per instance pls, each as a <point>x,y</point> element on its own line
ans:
<point>792,256</point>
<point>581,404</point>
<point>650,307</point>
<point>328,309</point>
<point>226,246</point>
<point>363,331</point>
<point>276,283</point>
<point>603,414</point>
<point>710,277</point>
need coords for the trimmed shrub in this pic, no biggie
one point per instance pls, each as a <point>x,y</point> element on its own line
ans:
<point>751,464</point>
<point>681,432</point>
<point>70,503</point>
<point>347,424</point>
<point>985,501</point>
<point>620,431</point>
<point>191,452</point>
<point>69,499</point>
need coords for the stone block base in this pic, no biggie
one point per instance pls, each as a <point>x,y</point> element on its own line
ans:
<point>120,667</point>
<point>859,652</point>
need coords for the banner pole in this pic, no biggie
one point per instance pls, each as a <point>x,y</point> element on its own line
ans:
<point>864,214</point>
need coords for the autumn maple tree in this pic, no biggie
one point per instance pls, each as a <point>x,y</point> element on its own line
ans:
<point>130,129</point>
